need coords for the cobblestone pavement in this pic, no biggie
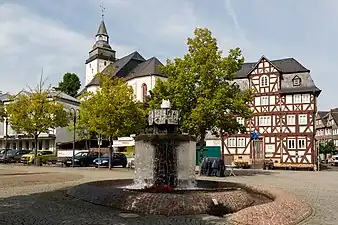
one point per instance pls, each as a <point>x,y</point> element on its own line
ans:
<point>48,204</point>
<point>43,203</point>
<point>319,189</point>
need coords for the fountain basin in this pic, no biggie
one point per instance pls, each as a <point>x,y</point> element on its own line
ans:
<point>113,193</point>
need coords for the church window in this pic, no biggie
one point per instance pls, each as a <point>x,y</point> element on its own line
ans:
<point>90,65</point>
<point>144,92</point>
<point>92,70</point>
<point>264,81</point>
<point>105,63</point>
<point>296,81</point>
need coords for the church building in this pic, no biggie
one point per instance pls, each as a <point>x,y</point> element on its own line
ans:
<point>140,73</point>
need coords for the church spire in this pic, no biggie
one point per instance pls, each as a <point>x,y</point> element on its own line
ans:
<point>102,28</point>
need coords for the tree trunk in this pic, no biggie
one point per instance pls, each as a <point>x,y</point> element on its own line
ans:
<point>86,144</point>
<point>36,150</point>
<point>110,152</point>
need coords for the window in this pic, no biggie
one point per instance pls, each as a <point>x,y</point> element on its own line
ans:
<point>264,100</point>
<point>296,81</point>
<point>291,143</point>
<point>240,120</point>
<point>290,120</point>
<point>241,142</point>
<point>301,144</point>
<point>265,120</point>
<point>144,92</point>
<point>231,142</point>
<point>306,98</point>
<point>92,70</point>
<point>302,119</point>
<point>90,65</point>
<point>105,63</point>
<point>297,99</point>
<point>264,81</point>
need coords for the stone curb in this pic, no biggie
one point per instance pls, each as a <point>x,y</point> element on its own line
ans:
<point>167,204</point>
<point>286,209</point>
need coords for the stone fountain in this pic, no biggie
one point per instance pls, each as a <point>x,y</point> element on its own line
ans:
<point>164,182</point>
<point>164,156</point>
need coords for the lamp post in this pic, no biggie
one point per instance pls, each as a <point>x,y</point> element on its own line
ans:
<point>76,113</point>
<point>6,134</point>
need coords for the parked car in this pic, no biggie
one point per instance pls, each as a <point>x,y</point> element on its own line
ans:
<point>334,160</point>
<point>118,159</point>
<point>43,155</point>
<point>81,159</point>
<point>13,155</point>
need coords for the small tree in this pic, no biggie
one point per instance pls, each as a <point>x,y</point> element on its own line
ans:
<point>112,111</point>
<point>35,113</point>
<point>70,84</point>
<point>327,148</point>
<point>201,85</point>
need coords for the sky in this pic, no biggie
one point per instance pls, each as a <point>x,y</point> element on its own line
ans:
<point>56,36</point>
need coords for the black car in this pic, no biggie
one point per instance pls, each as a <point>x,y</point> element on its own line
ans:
<point>118,159</point>
<point>12,155</point>
<point>82,159</point>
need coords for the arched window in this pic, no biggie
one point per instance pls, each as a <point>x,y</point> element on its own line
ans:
<point>264,81</point>
<point>144,92</point>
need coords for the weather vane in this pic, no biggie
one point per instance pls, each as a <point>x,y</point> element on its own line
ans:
<point>102,10</point>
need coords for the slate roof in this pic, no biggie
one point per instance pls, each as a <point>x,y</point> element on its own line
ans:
<point>102,29</point>
<point>334,115</point>
<point>146,68</point>
<point>288,68</point>
<point>118,66</point>
<point>287,65</point>
<point>58,94</point>
<point>130,67</point>
<point>322,113</point>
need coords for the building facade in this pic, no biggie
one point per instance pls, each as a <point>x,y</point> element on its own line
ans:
<point>327,127</point>
<point>46,141</point>
<point>140,73</point>
<point>284,107</point>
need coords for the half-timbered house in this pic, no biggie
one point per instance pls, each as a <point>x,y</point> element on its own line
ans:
<point>284,107</point>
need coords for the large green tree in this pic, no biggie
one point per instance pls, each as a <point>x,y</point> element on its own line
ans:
<point>201,84</point>
<point>112,110</point>
<point>35,113</point>
<point>70,84</point>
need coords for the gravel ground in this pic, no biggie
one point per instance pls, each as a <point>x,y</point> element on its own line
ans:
<point>36,202</point>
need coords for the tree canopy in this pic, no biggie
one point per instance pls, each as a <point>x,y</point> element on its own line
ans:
<point>70,84</point>
<point>327,148</point>
<point>112,110</point>
<point>201,85</point>
<point>35,113</point>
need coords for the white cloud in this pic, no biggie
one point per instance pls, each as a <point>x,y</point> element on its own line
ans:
<point>29,42</point>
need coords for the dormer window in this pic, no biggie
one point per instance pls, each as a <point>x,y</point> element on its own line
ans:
<point>296,81</point>
<point>264,81</point>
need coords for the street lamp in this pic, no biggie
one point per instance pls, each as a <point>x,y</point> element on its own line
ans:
<point>76,113</point>
<point>6,134</point>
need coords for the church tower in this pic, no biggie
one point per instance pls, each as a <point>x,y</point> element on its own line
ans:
<point>101,54</point>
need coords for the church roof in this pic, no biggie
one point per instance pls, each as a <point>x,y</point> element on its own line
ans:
<point>121,67</point>
<point>102,29</point>
<point>148,67</point>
